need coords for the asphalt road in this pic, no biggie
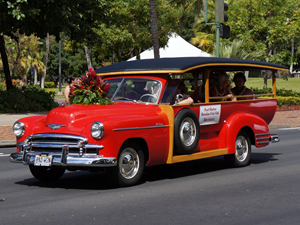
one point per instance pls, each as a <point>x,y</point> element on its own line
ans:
<point>198,192</point>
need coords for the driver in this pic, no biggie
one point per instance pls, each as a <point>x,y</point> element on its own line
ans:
<point>138,90</point>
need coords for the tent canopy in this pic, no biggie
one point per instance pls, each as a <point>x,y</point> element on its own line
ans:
<point>176,47</point>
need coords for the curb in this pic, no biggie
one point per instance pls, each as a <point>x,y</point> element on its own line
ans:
<point>8,143</point>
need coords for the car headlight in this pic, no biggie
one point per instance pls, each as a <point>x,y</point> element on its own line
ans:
<point>19,128</point>
<point>97,130</point>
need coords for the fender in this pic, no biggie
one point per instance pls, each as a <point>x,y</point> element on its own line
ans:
<point>253,124</point>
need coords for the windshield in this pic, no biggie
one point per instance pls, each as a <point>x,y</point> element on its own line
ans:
<point>134,89</point>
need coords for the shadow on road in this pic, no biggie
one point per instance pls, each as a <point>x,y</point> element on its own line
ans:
<point>257,158</point>
<point>98,181</point>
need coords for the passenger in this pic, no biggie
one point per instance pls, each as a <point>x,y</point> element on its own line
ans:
<point>182,90</point>
<point>222,89</point>
<point>72,82</point>
<point>199,94</point>
<point>240,89</point>
<point>138,91</point>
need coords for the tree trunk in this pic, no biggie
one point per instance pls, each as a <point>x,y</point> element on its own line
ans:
<point>5,63</point>
<point>180,25</point>
<point>91,56</point>
<point>292,55</point>
<point>42,82</point>
<point>88,57</point>
<point>35,76</point>
<point>154,29</point>
<point>137,53</point>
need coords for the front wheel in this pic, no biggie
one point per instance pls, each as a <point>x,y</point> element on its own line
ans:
<point>43,173</point>
<point>130,166</point>
<point>241,157</point>
<point>186,131</point>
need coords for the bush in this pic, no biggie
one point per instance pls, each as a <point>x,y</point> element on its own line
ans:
<point>284,101</point>
<point>2,87</point>
<point>31,99</point>
<point>288,101</point>
<point>51,92</point>
<point>49,85</point>
<point>279,92</point>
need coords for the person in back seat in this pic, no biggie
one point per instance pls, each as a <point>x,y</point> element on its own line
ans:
<point>222,89</point>
<point>240,89</point>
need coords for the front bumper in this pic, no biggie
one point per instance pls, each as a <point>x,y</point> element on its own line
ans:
<point>68,161</point>
<point>65,150</point>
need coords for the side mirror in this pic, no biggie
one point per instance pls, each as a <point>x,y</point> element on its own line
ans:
<point>178,98</point>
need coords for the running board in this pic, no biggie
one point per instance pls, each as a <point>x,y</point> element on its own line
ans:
<point>199,155</point>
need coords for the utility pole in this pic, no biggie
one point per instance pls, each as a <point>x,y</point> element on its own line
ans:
<point>220,16</point>
<point>59,67</point>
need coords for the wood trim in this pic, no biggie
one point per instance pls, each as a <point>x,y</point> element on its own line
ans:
<point>199,155</point>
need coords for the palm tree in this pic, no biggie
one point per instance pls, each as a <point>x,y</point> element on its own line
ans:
<point>236,50</point>
<point>42,81</point>
<point>187,6</point>
<point>154,29</point>
<point>38,65</point>
<point>204,41</point>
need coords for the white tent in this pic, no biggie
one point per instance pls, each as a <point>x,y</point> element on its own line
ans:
<point>176,47</point>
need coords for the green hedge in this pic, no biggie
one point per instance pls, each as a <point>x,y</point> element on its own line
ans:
<point>279,92</point>
<point>285,101</point>
<point>31,99</point>
<point>49,85</point>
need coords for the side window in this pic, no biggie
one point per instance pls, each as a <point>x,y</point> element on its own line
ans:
<point>170,91</point>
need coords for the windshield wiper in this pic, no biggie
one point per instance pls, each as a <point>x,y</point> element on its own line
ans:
<point>122,98</point>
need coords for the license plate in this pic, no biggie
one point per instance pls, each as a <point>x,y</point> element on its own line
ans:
<point>43,160</point>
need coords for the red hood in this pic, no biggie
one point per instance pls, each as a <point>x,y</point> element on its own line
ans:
<point>76,117</point>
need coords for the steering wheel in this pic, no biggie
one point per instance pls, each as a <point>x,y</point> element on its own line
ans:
<point>151,98</point>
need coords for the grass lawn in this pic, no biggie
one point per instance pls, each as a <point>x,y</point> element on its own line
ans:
<point>291,84</point>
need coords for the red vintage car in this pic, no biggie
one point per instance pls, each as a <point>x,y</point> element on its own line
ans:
<point>145,126</point>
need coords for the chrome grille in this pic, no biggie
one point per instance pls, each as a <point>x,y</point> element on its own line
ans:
<point>53,143</point>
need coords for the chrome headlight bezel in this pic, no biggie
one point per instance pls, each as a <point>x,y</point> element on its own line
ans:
<point>97,130</point>
<point>19,129</point>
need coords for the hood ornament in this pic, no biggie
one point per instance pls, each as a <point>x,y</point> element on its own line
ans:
<point>55,126</point>
<point>62,104</point>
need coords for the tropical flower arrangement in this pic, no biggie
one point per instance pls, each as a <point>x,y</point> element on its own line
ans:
<point>90,90</point>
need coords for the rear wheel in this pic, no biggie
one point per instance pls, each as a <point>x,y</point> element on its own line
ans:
<point>241,157</point>
<point>130,166</point>
<point>43,173</point>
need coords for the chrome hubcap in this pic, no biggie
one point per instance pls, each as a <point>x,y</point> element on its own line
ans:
<point>241,148</point>
<point>187,131</point>
<point>129,163</point>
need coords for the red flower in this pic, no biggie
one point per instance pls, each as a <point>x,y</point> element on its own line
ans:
<point>86,92</point>
<point>72,88</point>
<point>106,88</point>
<point>92,82</point>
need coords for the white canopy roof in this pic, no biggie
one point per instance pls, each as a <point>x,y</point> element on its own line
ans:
<point>176,47</point>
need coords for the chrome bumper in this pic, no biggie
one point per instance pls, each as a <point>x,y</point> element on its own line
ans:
<point>69,160</point>
<point>66,150</point>
<point>274,138</point>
